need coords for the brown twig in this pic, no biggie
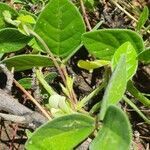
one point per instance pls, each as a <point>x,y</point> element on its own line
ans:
<point>32,99</point>
<point>13,137</point>
<point>85,15</point>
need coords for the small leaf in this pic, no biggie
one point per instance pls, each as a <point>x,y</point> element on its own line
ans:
<point>137,94</point>
<point>33,43</point>
<point>24,12</point>
<point>61,133</point>
<point>28,133</point>
<point>8,19</point>
<point>50,76</point>
<point>26,19</point>
<point>65,90</point>
<point>90,65</point>
<point>143,18</point>
<point>89,4</point>
<point>26,82</point>
<point>145,56</point>
<point>116,87</point>
<point>5,7</point>
<point>131,58</point>
<point>60,25</point>
<point>1,55</point>
<point>103,43</point>
<point>115,133</point>
<point>12,40</point>
<point>24,62</point>
<point>69,82</point>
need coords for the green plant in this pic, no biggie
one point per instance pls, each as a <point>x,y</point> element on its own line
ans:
<point>59,32</point>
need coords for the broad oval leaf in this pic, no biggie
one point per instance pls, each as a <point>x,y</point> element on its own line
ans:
<point>103,43</point>
<point>61,133</point>
<point>5,7</point>
<point>115,133</point>
<point>28,61</point>
<point>116,87</point>
<point>12,40</point>
<point>143,18</point>
<point>145,56</point>
<point>131,58</point>
<point>60,25</point>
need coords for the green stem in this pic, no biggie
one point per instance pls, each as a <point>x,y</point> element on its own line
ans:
<point>44,83</point>
<point>137,94</point>
<point>85,100</point>
<point>136,109</point>
<point>50,53</point>
<point>54,61</point>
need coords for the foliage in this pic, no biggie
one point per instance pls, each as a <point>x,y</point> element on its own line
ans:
<point>65,132</point>
<point>103,43</point>
<point>143,18</point>
<point>116,131</point>
<point>60,25</point>
<point>53,37</point>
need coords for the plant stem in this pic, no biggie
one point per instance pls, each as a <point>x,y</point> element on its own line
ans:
<point>85,100</point>
<point>44,83</point>
<point>60,70</point>
<point>71,91</point>
<point>32,99</point>
<point>136,109</point>
<point>85,15</point>
<point>136,93</point>
<point>50,53</point>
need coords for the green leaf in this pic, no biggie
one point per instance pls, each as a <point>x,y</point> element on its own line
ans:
<point>36,48</point>
<point>143,18</point>
<point>90,65</point>
<point>116,86</point>
<point>12,40</point>
<point>5,7</point>
<point>26,19</point>
<point>60,25</point>
<point>103,43</point>
<point>137,94</point>
<point>131,58</point>
<point>24,12</point>
<point>50,76</point>
<point>115,133</point>
<point>89,4</point>
<point>145,56</point>
<point>8,19</point>
<point>26,82</point>
<point>27,61</point>
<point>61,133</point>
